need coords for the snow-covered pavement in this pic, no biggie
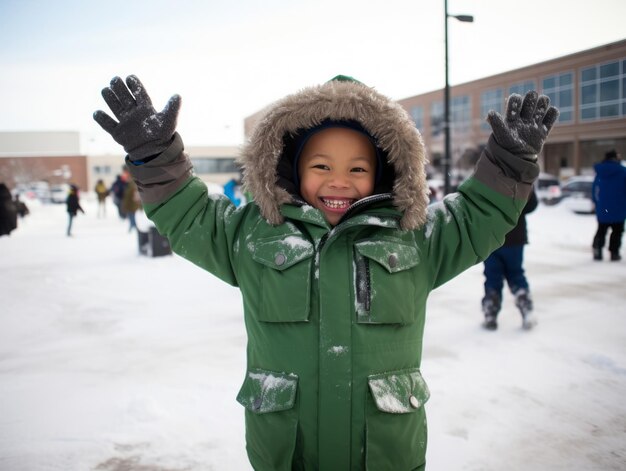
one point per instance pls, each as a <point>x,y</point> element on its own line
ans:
<point>112,361</point>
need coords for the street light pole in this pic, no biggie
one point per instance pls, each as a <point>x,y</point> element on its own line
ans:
<point>446,101</point>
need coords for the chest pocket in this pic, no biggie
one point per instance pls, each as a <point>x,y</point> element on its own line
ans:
<point>285,278</point>
<point>385,285</point>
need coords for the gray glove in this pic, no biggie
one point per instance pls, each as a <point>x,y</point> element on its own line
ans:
<point>526,125</point>
<point>141,130</point>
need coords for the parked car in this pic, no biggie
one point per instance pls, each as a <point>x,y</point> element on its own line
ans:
<point>33,191</point>
<point>548,189</point>
<point>576,194</point>
<point>58,193</point>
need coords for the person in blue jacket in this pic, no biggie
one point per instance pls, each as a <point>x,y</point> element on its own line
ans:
<point>609,196</point>
<point>232,189</point>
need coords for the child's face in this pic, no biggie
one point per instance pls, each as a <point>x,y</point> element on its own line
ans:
<point>336,168</point>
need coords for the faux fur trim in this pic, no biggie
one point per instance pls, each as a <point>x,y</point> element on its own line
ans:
<point>384,119</point>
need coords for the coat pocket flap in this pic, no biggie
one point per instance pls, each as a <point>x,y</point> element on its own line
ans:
<point>268,391</point>
<point>394,256</point>
<point>399,392</point>
<point>282,252</point>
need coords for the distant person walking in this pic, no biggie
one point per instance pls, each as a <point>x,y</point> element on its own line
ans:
<point>101,192</point>
<point>117,190</point>
<point>507,262</point>
<point>73,206</point>
<point>609,195</point>
<point>8,212</point>
<point>20,206</point>
<point>131,203</point>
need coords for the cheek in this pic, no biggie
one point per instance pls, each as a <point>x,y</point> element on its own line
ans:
<point>308,189</point>
<point>366,187</point>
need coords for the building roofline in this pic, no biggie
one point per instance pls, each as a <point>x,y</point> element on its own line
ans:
<point>546,63</point>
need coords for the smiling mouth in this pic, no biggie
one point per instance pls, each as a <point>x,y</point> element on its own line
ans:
<point>337,203</point>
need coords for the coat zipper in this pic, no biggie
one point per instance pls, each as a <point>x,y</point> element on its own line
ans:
<point>362,275</point>
<point>365,201</point>
<point>363,284</point>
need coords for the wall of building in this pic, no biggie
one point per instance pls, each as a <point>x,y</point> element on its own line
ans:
<point>104,167</point>
<point>39,143</point>
<point>54,157</point>
<point>578,140</point>
<point>49,156</point>
<point>215,164</point>
<point>54,170</point>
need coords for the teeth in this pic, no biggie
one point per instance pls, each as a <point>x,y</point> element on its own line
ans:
<point>336,204</point>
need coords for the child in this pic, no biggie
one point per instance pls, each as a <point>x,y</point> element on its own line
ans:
<point>507,263</point>
<point>335,257</point>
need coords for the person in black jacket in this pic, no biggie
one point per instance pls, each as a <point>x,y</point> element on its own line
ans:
<point>8,212</point>
<point>73,206</point>
<point>20,206</point>
<point>507,262</point>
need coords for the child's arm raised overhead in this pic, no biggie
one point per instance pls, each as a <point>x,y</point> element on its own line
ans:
<point>177,202</point>
<point>489,203</point>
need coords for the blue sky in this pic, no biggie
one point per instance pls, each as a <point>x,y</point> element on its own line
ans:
<point>230,58</point>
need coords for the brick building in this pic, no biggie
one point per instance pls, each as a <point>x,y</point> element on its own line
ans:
<point>589,88</point>
<point>52,157</point>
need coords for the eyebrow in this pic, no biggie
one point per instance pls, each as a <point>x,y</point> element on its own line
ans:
<point>367,159</point>
<point>329,157</point>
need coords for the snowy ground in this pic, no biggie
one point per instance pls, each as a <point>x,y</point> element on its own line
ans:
<point>112,361</point>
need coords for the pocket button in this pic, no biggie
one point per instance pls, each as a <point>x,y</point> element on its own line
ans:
<point>393,260</point>
<point>415,403</point>
<point>280,259</point>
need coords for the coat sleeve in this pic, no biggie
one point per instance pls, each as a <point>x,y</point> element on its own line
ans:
<point>200,227</point>
<point>467,226</point>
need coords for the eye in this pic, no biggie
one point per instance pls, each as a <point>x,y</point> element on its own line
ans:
<point>321,166</point>
<point>359,170</point>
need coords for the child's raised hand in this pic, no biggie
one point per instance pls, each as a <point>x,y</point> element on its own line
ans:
<point>526,125</point>
<point>141,130</point>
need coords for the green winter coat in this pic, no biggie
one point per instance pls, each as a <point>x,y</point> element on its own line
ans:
<point>335,316</point>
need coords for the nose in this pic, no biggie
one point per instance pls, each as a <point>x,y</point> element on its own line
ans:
<point>339,181</point>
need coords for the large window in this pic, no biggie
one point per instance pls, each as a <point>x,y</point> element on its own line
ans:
<point>460,113</point>
<point>436,117</point>
<point>522,87</point>
<point>603,91</point>
<point>102,169</point>
<point>417,113</point>
<point>214,165</point>
<point>490,100</point>
<point>560,90</point>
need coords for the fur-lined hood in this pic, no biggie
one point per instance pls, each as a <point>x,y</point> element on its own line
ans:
<point>266,157</point>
